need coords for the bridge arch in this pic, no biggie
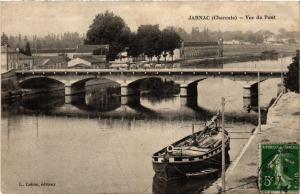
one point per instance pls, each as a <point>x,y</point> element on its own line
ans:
<point>137,83</point>
<point>132,87</point>
<point>79,85</point>
<point>40,82</point>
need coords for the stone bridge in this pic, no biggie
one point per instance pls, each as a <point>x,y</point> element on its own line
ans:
<point>129,80</point>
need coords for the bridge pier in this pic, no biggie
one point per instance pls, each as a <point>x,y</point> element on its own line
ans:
<point>246,104</point>
<point>247,91</point>
<point>183,101</point>
<point>68,93</point>
<point>247,97</point>
<point>183,90</point>
<point>127,91</point>
<point>68,99</point>
<point>128,95</point>
<point>133,100</point>
<point>250,95</point>
<point>68,90</point>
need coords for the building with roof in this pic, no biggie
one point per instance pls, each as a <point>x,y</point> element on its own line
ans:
<point>190,50</point>
<point>88,62</point>
<point>25,62</point>
<point>11,58</point>
<point>50,62</point>
<point>70,52</point>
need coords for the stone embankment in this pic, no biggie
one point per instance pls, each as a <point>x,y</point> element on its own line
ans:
<point>283,125</point>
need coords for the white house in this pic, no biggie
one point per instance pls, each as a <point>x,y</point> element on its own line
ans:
<point>71,52</point>
<point>270,40</point>
<point>88,61</point>
<point>79,63</point>
<point>231,42</point>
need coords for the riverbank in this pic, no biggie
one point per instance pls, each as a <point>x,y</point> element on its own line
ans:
<point>252,49</point>
<point>283,125</point>
<point>218,62</point>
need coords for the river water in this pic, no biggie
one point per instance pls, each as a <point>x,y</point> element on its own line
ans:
<point>95,145</point>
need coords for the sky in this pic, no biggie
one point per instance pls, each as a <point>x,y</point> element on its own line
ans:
<point>42,18</point>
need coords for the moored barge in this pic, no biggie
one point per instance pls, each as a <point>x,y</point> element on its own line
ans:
<point>193,154</point>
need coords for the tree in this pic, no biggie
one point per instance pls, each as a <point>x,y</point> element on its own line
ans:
<point>27,50</point>
<point>149,39</point>
<point>20,43</point>
<point>25,39</point>
<point>158,49</point>
<point>134,48</point>
<point>170,41</point>
<point>4,39</point>
<point>38,44</point>
<point>108,28</point>
<point>291,80</point>
<point>183,34</point>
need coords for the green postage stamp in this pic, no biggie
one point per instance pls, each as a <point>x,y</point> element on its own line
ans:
<point>279,168</point>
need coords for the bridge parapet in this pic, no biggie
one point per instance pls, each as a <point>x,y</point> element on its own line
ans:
<point>187,71</point>
<point>186,78</point>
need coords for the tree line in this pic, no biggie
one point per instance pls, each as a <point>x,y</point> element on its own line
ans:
<point>149,40</point>
<point>64,40</point>
<point>26,50</point>
<point>254,37</point>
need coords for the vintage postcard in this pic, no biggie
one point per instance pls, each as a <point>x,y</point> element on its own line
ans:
<point>150,97</point>
<point>279,167</point>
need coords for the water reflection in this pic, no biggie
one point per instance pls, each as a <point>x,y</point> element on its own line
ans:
<point>88,106</point>
<point>93,137</point>
<point>278,63</point>
<point>186,186</point>
<point>42,103</point>
<point>275,63</point>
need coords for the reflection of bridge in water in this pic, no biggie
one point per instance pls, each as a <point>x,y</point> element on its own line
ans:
<point>80,107</point>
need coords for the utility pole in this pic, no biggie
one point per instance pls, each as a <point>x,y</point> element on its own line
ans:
<point>7,66</point>
<point>223,146</point>
<point>281,74</point>
<point>193,130</point>
<point>258,101</point>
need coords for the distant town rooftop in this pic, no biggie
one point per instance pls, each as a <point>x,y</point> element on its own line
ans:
<point>5,49</point>
<point>41,61</point>
<point>91,58</point>
<point>79,49</point>
<point>22,56</point>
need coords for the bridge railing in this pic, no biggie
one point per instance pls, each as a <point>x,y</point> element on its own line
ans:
<point>160,69</point>
<point>228,68</point>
